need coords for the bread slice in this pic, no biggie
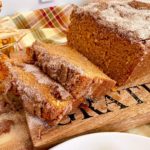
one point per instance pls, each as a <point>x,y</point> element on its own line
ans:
<point>115,36</point>
<point>72,70</point>
<point>41,96</point>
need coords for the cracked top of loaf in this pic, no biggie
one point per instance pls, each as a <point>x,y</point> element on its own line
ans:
<point>131,18</point>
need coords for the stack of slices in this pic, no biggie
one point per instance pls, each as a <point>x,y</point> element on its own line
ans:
<point>57,80</point>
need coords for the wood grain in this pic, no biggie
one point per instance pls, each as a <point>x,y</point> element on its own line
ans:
<point>127,107</point>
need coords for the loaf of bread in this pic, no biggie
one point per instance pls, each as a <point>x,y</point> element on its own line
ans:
<point>41,96</point>
<point>72,70</point>
<point>115,36</point>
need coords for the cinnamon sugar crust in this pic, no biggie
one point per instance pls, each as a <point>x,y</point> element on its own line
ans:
<point>115,36</point>
<point>72,70</point>
<point>41,97</point>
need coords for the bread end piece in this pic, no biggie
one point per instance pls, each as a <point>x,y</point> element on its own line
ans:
<point>110,41</point>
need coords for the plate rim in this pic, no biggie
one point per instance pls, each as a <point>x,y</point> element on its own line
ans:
<point>101,133</point>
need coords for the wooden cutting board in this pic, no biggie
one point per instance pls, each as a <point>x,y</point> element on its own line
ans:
<point>126,107</point>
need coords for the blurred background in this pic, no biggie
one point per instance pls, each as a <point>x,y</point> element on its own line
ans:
<point>12,6</point>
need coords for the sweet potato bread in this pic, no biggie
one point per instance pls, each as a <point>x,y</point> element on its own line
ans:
<point>115,36</point>
<point>41,96</point>
<point>72,70</point>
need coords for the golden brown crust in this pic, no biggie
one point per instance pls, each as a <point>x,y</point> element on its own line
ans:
<point>4,75</point>
<point>117,47</point>
<point>139,4</point>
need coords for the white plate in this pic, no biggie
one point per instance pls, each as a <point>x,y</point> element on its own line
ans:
<point>106,141</point>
